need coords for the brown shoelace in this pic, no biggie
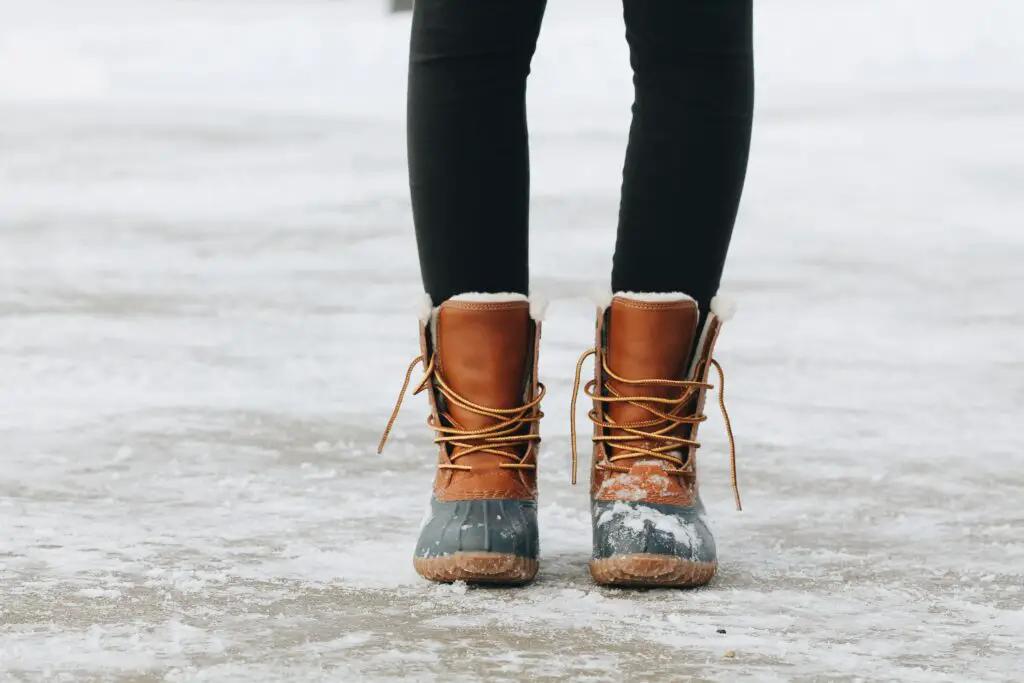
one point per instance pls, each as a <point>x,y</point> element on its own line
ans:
<point>500,438</point>
<point>659,428</point>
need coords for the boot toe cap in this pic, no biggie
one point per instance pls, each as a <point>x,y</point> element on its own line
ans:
<point>624,528</point>
<point>505,527</point>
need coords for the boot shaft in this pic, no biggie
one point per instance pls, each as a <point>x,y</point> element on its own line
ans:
<point>485,353</point>
<point>653,357</point>
<point>640,338</point>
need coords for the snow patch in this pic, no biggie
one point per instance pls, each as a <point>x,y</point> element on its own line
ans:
<point>108,593</point>
<point>455,588</point>
<point>637,518</point>
<point>635,487</point>
<point>35,67</point>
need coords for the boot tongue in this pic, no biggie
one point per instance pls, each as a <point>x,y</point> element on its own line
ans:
<point>483,349</point>
<point>648,339</point>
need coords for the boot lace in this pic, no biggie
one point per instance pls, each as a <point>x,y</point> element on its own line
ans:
<point>501,438</point>
<point>659,429</point>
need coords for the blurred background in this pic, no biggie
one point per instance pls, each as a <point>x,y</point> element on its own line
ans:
<point>207,278</point>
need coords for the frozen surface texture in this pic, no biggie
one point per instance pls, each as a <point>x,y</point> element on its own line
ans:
<point>207,298</point>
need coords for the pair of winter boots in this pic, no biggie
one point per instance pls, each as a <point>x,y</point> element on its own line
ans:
<point>653,356</point>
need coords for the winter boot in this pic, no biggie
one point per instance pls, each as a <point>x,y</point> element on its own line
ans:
<point>651,379</point>
<point>479,352</point>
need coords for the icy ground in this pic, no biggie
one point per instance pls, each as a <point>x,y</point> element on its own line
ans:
<point>206,288</point>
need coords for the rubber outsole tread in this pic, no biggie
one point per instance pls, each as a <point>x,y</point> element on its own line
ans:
<point>651,571</point>
<point>480,567</point>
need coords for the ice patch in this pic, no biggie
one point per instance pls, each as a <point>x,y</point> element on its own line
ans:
<point>111,594</point>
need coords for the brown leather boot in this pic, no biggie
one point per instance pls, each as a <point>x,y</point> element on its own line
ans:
<point>651,380</point>
<point>480,360</point>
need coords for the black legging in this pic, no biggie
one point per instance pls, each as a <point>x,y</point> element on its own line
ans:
<point>685,164</point>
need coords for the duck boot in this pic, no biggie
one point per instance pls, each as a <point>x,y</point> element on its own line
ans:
<point>479,352</point>
<point>653,357</point>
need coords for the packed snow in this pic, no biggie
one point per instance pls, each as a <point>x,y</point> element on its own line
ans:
<point>635,520</point>
<point>208,291</point>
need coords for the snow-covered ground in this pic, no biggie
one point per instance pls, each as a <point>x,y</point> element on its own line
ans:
<point>207,280</point>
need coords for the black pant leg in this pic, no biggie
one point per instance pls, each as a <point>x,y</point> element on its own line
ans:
<point>688,144</point>
<point>467,142</point>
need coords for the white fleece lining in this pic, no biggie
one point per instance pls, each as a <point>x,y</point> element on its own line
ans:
<point>424,308</point>
<point>701,340</point>
<point>538,307</point>
<point>724,307</point>
<point>601,296</point>
<point>538,303</point>
<point>487,297</point>
<point>655,296</point>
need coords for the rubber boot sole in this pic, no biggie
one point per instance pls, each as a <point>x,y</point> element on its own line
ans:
<point>478,568</point>
<point>645,570</point>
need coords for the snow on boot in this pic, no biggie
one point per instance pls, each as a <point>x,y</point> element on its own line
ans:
<point>651,381</point>
<point>479,352</point>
